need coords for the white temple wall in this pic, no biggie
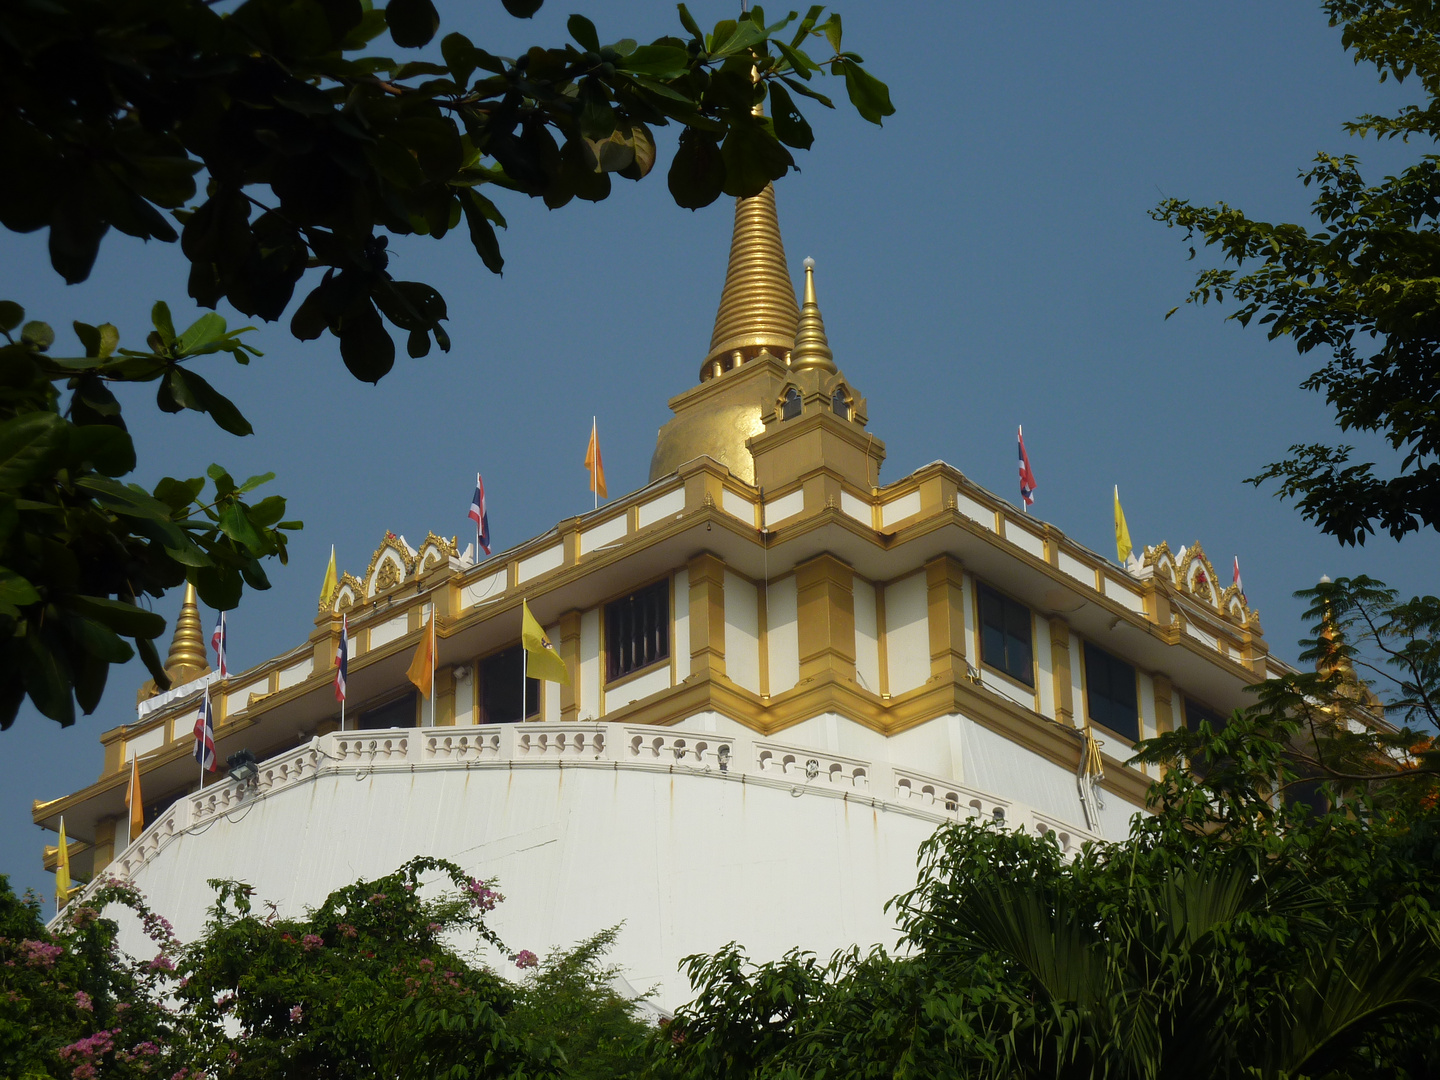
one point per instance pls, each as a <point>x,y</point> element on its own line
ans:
<point>590,706</point>
<point>972,621</point>
<point>465,697</point>
<point>1044,668</point>
<point>742,632</point>
<point>680,643</point>
<point>782,634</point>
<point>907,633</point>
<point>867,636</point>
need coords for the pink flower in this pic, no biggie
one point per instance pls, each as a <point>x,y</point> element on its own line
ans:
<point>297,1014</point>
<point>379,896</point>
<point>525,959</point>
<point>427,965</point>
<point>435,927</point>
<point>39,954</point>
<point>83,1002</point>
<point>310,942</point>
<point>483,897</point>
<point>83,1072</point>
<point>162,963</point>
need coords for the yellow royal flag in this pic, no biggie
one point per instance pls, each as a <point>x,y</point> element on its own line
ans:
<point>62,870</point>
<point>327,587</point>
<point>1123,549</point>
<point>541,659</point>
<point>422,668</point>
<point>594,464</point>
<point>133,800</point>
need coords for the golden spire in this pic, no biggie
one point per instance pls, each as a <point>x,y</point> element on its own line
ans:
<point>757,306</point>
<point>812,348</point>
<point>188,659</point>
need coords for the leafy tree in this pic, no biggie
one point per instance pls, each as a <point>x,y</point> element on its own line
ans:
<point>1231,935</point>
<point>281,151</point>
<point>1361,287</point>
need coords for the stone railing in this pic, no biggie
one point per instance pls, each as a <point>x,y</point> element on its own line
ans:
<point>802,770</point>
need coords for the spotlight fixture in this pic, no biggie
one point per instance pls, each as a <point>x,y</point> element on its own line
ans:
<point>242,766</point>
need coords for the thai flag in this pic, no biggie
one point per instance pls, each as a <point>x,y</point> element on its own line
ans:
<point>217,642</point>
<point>205,735</point>
<point>342,657</point>
<point>1027,477</point>
<point>479,515</point>
<point>1239,588</point>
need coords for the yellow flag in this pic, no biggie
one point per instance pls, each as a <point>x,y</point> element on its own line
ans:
<point>62,870</point>
<point>327,587</point>
<point>134,801</point>
<point>594,464</point>
<point>541,659</point>
<point>422,668</point>
<point>1123,550</point>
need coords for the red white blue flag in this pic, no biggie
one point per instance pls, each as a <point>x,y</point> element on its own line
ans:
<point>1027,476</point>
<point>205,735</point>
<point>1239,587</point>
<point>479,515</point>
<point>342,657</point>
<point>217,642</point>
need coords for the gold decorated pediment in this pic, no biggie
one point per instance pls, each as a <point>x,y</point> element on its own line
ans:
<point>389,566</point>
<point>1159,559</point>
<point>1196,575</point>
<point>348,592</point>
<point>436,551</point>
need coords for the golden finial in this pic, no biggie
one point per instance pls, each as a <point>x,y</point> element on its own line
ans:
<point>757,306</point>
<point>187,659</point>
<point>812,348</point>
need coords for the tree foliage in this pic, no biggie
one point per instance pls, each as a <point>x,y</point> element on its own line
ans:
<point>1360,286</point>
<point>281,150</point>
<point>311,148</point>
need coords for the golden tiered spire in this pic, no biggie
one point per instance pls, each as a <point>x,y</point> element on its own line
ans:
<point>188,659</point>
<point>812,348</point>
<point>757,306</point>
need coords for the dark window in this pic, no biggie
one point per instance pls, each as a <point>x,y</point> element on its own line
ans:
<point>1110,688</point>
<point>637,630</point>
<point>397,713</point>
<point>1005,635</point>
<point>1195,714</point>
<point>500,688</point>
<point>791,408</point>
<point>839,406</point>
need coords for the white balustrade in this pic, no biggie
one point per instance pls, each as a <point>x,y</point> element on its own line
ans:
<point>551,741</point>
<point>668,746</point>
<point>812,766</point>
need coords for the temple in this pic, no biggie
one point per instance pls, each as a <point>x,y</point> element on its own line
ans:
<point>784,674</point>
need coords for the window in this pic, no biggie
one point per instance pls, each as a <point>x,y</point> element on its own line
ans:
<point>1195,714</point>
<point>791,408</point>
<point>637,630</point>
<point>1005,635</point>
<point>839,405</point>
<point>1110,690</point>
<point>393,714</point>
<point>500,676</point>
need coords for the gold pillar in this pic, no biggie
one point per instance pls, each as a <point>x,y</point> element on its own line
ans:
<point>707,616</point>
<point>945,595</point>
<point>570,653</point>
<point>1060,671</point>
<point>444,691</point>
<point>826,618</point>
<point>104,844</point>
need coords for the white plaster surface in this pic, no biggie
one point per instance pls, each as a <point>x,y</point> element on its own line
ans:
<point>238,699</point>
<point>787,506</point>
<point>145,742</point>
<point>1025,540</point>
<point>867,636</point>
<point>1125,595</point>
<point>486,588</point>
<point>465,699</point>
<point>732,502</point>
<point>542,562</point>
<point>857,508</point>
<point>1044,668</point>
<point>1080,571</point>
<point>975,511</point>
<point>742,633</point>
<point>652,682</point>
<point>607,532</point>
<point>590,665</point>
<point>907,634</point>
<point>680,645</point>
<point>782,637</point>
<point>899,509</point>
<point>387,631</point>
<point>667,505</point>
<point>295,673</point>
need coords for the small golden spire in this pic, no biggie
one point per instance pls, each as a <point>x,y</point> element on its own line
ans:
<point>187,659</point>
<point>757,305</point>
<point>812,348</point>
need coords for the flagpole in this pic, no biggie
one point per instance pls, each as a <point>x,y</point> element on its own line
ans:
<point>432,660</point>
<point>524,683</point>
<point>595,443</point>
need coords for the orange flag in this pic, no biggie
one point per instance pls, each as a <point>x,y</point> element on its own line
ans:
<point>422,668</point>
<point>594,464</point>
<point>134,801</point>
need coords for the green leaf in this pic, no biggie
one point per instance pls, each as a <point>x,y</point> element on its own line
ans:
<point>15,590</point>
<point>801,88</point>
<point>688,21</point>
<point>193,392</point>
<point>160,316</point>
<point>29,444</point>
<point>37,335</point>
<point>522,9</point>
<point>831,28</point>
<point>150,657</point>
<point>235,524</point>
<point>482,235</point>
<point>459,54</point>
<point>697,172</point>
<point>123,618</point>
<point>869,95</point>
<point>208,328</point>
<point>583,31</point>
<point>745,34</point>
<point>109,449</point>
<point>753,158</point>
<point>11,315</point>
<point>254,482</point>
<point>412,23</point>
<point>657,61</point>
<point>47,679</point>
<point>791,127</point>
<point>179,494</point>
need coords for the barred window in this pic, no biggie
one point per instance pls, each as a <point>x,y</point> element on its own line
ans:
<point>1110,691</point>
<point>637,630</point>
<point>393,714</point>
<point>1005,635</point>
<point>1195,714</point>
<point>839,405</point>
<point>791,408</point>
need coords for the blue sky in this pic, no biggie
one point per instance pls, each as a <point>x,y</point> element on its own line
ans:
<point>983,261</point>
